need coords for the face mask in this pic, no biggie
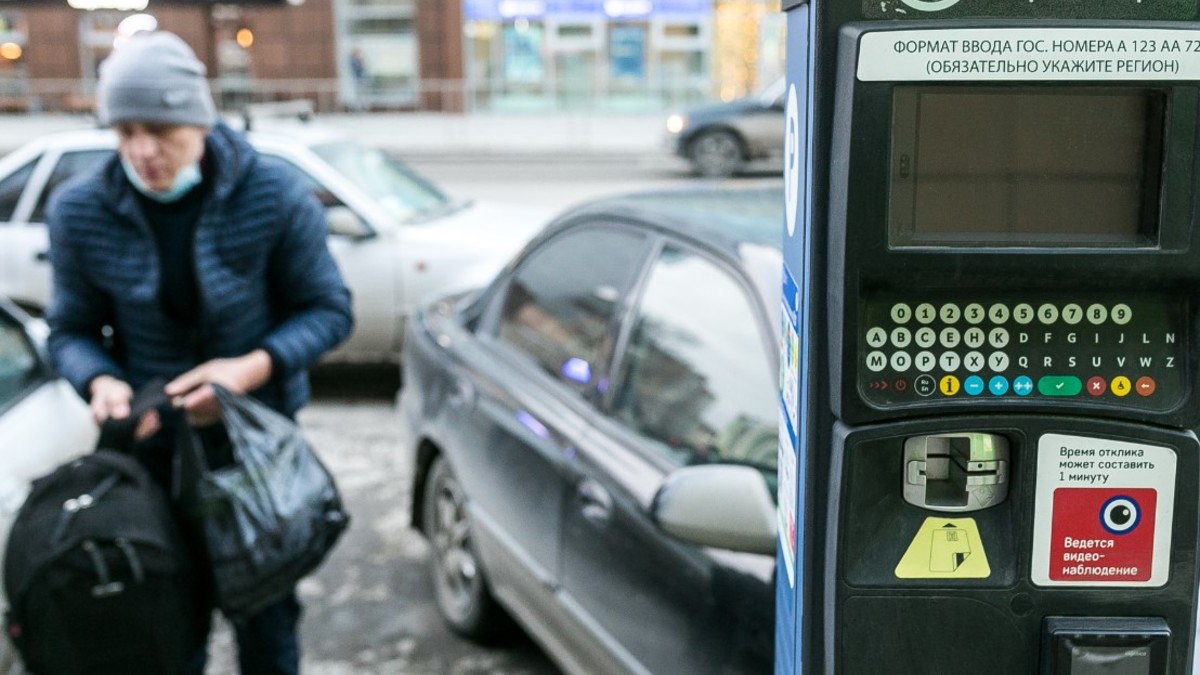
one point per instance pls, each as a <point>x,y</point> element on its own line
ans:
<point>185,179</point>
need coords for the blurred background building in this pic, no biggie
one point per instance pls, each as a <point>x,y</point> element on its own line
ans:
<point>436,55</point>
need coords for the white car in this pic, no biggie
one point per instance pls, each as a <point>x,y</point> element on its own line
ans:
<point>400,241</point>
<point>43,423</point>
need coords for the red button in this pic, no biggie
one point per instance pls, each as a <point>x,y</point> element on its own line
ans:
<point>1145,385</point>
<point>1096,386</point>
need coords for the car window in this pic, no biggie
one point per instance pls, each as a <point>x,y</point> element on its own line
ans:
<point>11,188</point>
<point>561,300</point>
<point>18,363</point>
<point>404,194</point>
<point>69,165</point>
<point>695,376</point>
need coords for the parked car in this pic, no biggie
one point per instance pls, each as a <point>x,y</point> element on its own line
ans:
<point>593,437</point>
<point>43,423</point>
<point>400,241</point>
<point>720,139</point>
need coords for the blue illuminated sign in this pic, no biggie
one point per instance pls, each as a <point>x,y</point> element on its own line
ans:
<point>498,10</point>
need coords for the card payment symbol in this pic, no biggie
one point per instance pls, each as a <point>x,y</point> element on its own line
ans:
<point>949,549</point>
<point>945,548</point>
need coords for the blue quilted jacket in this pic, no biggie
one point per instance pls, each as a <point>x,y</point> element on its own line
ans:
<point>265,276</point>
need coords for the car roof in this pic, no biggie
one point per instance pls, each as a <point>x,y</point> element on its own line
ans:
<point>271,132</point>
<point>721,216</point>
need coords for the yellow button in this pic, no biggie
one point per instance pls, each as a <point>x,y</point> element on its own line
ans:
<point>948,385</point>
<point>1120,385</point>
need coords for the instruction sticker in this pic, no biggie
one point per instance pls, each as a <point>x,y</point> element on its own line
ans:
<point>1103,512</point>
<point>945,548</point>
<point>973,54</point>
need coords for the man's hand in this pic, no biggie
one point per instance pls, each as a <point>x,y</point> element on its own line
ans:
<point>110,399</point>
<point>191,391</point>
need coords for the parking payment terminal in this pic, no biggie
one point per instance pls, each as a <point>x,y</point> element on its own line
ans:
<point>988,452</point>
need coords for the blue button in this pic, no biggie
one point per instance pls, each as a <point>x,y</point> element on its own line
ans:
<point>973,385</point>
<point>998,385</point>
<point>1023,385</point>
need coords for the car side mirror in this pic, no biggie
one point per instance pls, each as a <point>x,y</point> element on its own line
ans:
<point>720,505</point>
<point>342,221</point>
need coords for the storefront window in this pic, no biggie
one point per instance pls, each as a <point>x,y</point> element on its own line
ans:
<point>13,78</point>
<point>380,64</point>
<point>576,54</point>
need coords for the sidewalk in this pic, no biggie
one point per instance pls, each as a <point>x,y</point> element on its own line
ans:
<point>599,135</point>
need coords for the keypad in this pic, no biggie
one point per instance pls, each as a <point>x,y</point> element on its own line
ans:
<point>1119,349</point>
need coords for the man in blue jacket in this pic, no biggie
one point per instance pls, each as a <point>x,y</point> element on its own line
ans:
<point>190,257</point>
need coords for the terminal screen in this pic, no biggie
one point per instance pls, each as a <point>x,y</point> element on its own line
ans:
<point>1025,166</point>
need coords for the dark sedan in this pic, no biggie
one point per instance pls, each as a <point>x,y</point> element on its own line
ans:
<point>721,139</point>
<point>594,437</point>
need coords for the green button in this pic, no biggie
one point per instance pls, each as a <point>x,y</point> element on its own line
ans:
<point>1060,385</point>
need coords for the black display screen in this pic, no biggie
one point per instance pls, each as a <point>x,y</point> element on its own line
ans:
<point>1025,166</point>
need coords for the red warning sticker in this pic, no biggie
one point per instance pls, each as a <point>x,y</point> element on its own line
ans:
<point>1102,534</point>
<point>1103,512</point>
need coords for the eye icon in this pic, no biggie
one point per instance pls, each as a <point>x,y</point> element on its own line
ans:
<point>1120,515</point>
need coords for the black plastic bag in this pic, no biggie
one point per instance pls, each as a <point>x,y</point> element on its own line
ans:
<point>268,517</point>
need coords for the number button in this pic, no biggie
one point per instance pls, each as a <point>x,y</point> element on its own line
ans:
<point>1097,314</point>
<point>1023,313</point>
<point>901,313</point>
<point>974,313</point>
<point>1072,314</point>
<point>926,313</point>
<point>950,313</point>
<point>998,313</point>
<point>1121,314</point>
<point>1047,314</point>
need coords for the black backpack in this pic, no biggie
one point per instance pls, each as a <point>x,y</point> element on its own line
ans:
<point>98,576</point>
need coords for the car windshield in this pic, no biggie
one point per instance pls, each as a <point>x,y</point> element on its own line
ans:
<point>405,195</point>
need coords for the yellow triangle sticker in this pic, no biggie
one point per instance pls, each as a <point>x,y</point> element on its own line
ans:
<point>945,548</point>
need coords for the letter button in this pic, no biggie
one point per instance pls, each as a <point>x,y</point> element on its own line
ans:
<point>877,337</point>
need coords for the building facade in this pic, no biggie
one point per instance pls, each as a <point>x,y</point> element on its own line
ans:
<point>472,55</point>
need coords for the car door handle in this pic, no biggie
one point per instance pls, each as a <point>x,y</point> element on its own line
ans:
<point>597,502</point>
<point>41,256</point>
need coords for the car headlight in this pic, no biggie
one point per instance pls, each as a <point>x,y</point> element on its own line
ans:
<point>676,123</point>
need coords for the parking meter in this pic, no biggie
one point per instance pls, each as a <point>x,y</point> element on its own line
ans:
<point>988,454</point>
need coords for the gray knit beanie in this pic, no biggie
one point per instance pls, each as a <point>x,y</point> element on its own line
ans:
<point>154,78</point>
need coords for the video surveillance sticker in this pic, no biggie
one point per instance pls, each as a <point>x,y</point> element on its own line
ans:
<point>1103,512</point>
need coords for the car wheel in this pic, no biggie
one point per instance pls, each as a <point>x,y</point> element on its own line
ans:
<point>460,584</point>
<point>716,153</point>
